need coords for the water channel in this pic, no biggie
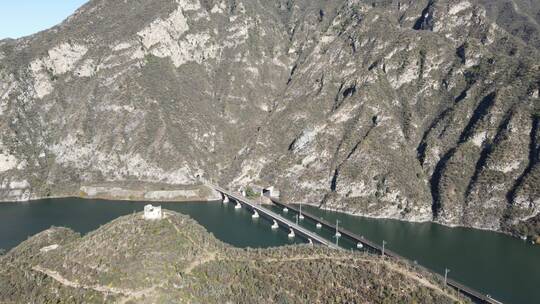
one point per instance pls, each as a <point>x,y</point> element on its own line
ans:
<point>493,263</point>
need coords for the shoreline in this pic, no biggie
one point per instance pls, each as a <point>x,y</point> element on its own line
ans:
<point>452,226</point>
<point>129,191</point>
<point>109,199</point>
<point>126,199</point>
<point>108,194</point>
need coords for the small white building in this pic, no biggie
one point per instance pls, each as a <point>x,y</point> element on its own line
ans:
<point>152,212</point>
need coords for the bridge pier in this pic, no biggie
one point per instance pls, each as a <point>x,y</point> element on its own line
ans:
<point>225,199</point>
<point>255,214</point>
<point>278,220</point>
<point>291,233</point>
<point>338,234</point>
<point>362,242</point>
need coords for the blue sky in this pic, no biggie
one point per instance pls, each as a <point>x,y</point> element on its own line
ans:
<point>20,18</point>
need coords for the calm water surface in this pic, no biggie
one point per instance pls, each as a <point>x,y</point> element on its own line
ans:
<point>18,221</point>
<point>504,267</point>
<point>495,264</point>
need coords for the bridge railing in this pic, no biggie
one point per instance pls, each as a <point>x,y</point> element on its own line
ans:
<point>272,215</point>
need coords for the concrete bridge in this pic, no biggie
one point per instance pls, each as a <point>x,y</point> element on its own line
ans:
<point>474,295</point>
<point>272,216</point>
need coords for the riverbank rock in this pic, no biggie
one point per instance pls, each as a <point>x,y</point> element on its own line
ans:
<point>131,260</point>
<point>140,191</point>
<point>416,110</point>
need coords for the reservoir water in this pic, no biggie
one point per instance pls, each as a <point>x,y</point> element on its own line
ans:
<point>506,268</point>
<point>18,221</point>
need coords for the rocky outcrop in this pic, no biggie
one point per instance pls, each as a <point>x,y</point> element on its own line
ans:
<point>416,110</point>
<point>144,191</point>
<point>521,18</point>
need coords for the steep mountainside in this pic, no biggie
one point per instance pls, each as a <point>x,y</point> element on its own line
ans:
<point>519,17</point>
<point>417,110</point>
<point>131,260</point>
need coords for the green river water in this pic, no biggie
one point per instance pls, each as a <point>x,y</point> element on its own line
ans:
<point>506,268</point>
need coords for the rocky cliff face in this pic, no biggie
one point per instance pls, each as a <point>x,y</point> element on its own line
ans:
<point>174,260</point>
<point>519,17</point>
<point>417,110</point>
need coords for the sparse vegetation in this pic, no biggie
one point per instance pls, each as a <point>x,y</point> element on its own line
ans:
<point>250,193</point>
<point>175,260</point>
<point>529,229</point>
<point>52,75</point>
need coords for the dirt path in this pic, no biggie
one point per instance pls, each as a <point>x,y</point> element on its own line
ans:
<point>208,257</point>
<point>411,275</point>
<point>211,256</point>
<point>420,280</point>
<point>348,261</point>
<point>126,294</point>
<point>181,233</point>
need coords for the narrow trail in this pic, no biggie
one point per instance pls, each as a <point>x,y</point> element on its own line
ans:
<point>211,256</point>
<point>339,261</point>
<point>99,288</point>
<point>126,294</point>
<point>207,257</point>
<point>183,234</point>
<point>422,281</point>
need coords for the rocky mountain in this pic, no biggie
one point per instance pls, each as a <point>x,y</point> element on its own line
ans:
<point>132,260</point>
<point>520,18</point>
<point>416,110</point>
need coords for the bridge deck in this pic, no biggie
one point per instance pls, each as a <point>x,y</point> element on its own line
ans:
<point>283,222</point>
<point>469,292</point>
